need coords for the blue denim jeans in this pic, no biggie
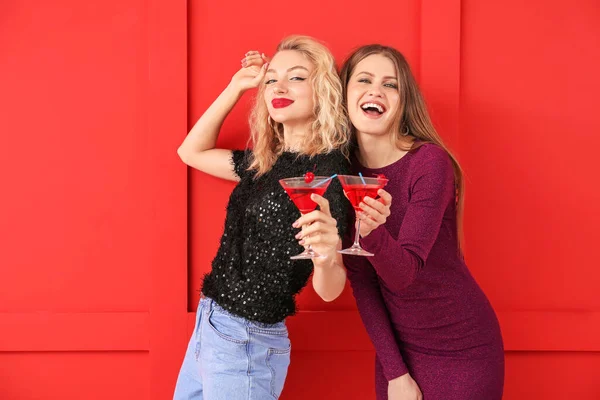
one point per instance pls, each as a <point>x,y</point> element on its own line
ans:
<point>232,358</point>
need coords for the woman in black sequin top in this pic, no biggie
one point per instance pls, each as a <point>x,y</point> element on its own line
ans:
<point>240,347</point>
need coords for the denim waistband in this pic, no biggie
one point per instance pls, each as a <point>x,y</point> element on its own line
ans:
<point>211,304</point>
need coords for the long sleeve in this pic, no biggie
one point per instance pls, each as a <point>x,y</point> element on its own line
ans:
<point>397,261</point>
<point>374,314</point>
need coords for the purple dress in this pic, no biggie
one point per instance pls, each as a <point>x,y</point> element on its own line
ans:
<point>422,309</point>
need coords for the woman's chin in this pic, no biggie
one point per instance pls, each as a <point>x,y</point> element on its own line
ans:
<point>368,129</point>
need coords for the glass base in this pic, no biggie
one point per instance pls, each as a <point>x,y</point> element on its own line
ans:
<point>356,251</point>
<point>305,255</point>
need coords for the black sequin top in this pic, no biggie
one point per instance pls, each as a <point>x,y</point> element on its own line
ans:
<point>252,275</point>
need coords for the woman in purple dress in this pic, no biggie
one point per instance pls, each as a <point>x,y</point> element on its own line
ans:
<point>435,333</point>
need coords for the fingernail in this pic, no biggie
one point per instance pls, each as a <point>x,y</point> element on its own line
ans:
<point>301,242</point>
<point>295,224</point>
<point>299,235</point>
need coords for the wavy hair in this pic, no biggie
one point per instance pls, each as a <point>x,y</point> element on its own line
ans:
<point>330,127</point>
<point>412,117</point>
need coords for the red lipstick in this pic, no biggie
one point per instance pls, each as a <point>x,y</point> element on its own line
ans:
<point>281,102</point>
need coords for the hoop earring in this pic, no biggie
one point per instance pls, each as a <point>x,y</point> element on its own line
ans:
<point>406,133</point>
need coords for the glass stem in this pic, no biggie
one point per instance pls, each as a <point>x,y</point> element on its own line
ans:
<point>308,248</point>
<point>357,235</point>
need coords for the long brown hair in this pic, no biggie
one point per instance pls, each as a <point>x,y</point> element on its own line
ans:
<point>329,129</point>
<point>412,118</point>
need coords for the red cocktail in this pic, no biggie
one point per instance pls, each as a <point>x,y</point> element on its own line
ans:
<point>301,196</point>
<point>356,193</point>
<point>356,189</point>
<point>299,190</point>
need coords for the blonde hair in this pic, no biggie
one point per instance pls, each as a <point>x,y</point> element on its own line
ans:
<point>330,128</point>
<point>412,117</point>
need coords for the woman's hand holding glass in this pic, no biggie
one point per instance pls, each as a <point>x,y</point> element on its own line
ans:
<point>374,212</point>
<point>320,231</point>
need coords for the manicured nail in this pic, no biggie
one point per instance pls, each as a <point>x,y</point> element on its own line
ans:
<point>295,224</point>
<point>299,235</point>
<point>301,242</point>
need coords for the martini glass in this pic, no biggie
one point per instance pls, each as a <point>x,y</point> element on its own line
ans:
<point>299,191</point>
<point>356,188</point>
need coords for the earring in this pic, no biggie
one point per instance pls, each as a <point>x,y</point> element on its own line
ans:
<point>406,133</point>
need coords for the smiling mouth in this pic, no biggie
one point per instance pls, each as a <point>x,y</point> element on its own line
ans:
<point>373,110</point>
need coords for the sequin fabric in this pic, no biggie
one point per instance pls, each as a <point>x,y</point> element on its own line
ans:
<point>252,275</point>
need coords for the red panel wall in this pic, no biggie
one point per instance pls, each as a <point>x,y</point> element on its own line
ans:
<point>72,126</point>
<point>104,235</point>
<point>93,211</point>
<point>528,141</point>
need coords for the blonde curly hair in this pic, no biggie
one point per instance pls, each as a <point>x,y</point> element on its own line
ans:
<point>330,129</point>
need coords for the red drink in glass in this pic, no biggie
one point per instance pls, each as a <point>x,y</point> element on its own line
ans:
<point>299,191</point>
<point>356,189</point>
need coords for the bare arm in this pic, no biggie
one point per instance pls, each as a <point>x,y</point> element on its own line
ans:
<point>329,277</point>
<point>198,148</point>
<point>321,233</point>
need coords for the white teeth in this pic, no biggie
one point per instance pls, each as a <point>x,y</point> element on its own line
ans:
<point>372,105</point>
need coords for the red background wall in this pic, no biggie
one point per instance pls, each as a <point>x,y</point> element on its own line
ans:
<point>105,234</point>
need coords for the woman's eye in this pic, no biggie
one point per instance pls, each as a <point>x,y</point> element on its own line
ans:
<point>297,78</point>
<point>364,80</point>
<point>391,85</point>
<point>270,81</point>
